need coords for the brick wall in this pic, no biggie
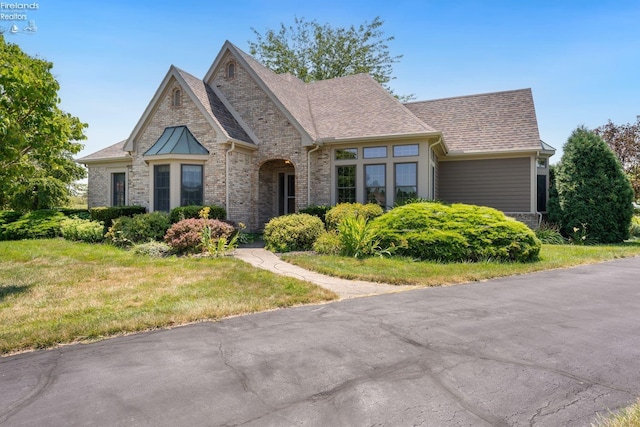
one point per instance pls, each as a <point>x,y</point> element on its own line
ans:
<point>278,139</point>
<point>165,116</point>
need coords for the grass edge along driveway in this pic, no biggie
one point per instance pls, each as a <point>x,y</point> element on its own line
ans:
<point>403,271</point>
<point>56,292</point>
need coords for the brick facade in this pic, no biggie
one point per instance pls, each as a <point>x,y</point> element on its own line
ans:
<point>257,143</point>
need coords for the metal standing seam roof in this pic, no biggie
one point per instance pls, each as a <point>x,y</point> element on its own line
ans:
<point>176,140</point>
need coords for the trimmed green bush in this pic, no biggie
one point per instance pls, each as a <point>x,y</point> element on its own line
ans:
<point>592,193</point>
<point>76,213</point>
<point>458,232</point>
<point>83,230</point>
<point>193,211</point>
<point>107,214</point>
<point>317,210</point>
<point>140,228</point>
<point>294,232</point>
<point>346,210</point>
<point>7,217</point>
<point>41,224</point>
<point>186,236</point>
<point>328,243</point>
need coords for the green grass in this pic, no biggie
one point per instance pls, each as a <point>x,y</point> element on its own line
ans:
<point>424,273</point>
<point>54,292</point>
<point>627,417</point>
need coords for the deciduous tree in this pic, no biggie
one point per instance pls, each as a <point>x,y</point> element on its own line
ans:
<point>37,138</point>
<point>624,140</point>
<point>311,51</point>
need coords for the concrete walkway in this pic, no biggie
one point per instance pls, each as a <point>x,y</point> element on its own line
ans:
<point>262,258</point>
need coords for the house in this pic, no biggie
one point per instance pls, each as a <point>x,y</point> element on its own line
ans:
<point>262,144</point>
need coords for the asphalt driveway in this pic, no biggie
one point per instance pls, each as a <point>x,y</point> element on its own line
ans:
<point>550,349</point>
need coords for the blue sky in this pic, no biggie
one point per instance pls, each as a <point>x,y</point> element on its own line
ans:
<point>580,58</point>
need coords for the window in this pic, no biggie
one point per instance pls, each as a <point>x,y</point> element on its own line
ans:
<point>346,184</point>
<point>161,185</point>
<point>542,193</point>
<point>542,163</point>
<point>176,100</point>
<point>231,70</point>
<point>406,182</point>
<point>118,186</point>
<point>375,184</point>
<point>191,188</point>
<point>347,154</point>
<point>405,150</point>
<point>374,152</point>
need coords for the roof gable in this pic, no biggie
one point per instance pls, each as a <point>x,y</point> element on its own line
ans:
<point>341,108</point>
<point>205,99</point>
<point>492,122</point>
<point>285,91</point>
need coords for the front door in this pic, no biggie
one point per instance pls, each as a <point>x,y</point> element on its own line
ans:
<point>286,193</point>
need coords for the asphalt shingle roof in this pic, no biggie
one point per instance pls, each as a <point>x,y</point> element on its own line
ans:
<point>345,107</point>
<point>111,152</point>
<point>496,121</point>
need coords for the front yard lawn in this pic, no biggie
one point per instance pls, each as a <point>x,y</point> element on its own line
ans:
<point>402,271</point>
<point>55,291</point>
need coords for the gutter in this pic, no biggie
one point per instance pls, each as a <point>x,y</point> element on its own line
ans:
<point>226,175</point>
<point>317,147</point>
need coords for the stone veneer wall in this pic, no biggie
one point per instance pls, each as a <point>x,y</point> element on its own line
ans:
<point>165,116</point>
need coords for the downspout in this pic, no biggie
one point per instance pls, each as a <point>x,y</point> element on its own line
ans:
<point>309,171</point>
<point>226,173</point>
<point>433,184</point>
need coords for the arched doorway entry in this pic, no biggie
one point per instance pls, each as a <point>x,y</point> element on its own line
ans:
<point>276,189</point>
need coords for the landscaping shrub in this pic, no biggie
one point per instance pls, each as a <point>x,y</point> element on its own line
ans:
<point>106,214</point>
<point>152,249</point>
<point>592,193</point>
<point>7,217</point>
<point>140,228</point>
<point>294,232</point>
<point>83,230</point>
<point>550,234</point>
<point>358,238</point>
<point>344,210</point>
<point>186,236</point>
<point>634,228</point>
<point>41,224</point>
<point>458,232</point>
<point>76,213</point>
<point>328,243</point>
<point>317,210</point>
<point>193,211</point>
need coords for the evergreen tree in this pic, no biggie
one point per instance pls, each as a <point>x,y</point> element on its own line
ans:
<point>594,194</point>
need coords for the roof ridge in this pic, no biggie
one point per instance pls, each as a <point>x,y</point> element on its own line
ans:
<point>469,96</point>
